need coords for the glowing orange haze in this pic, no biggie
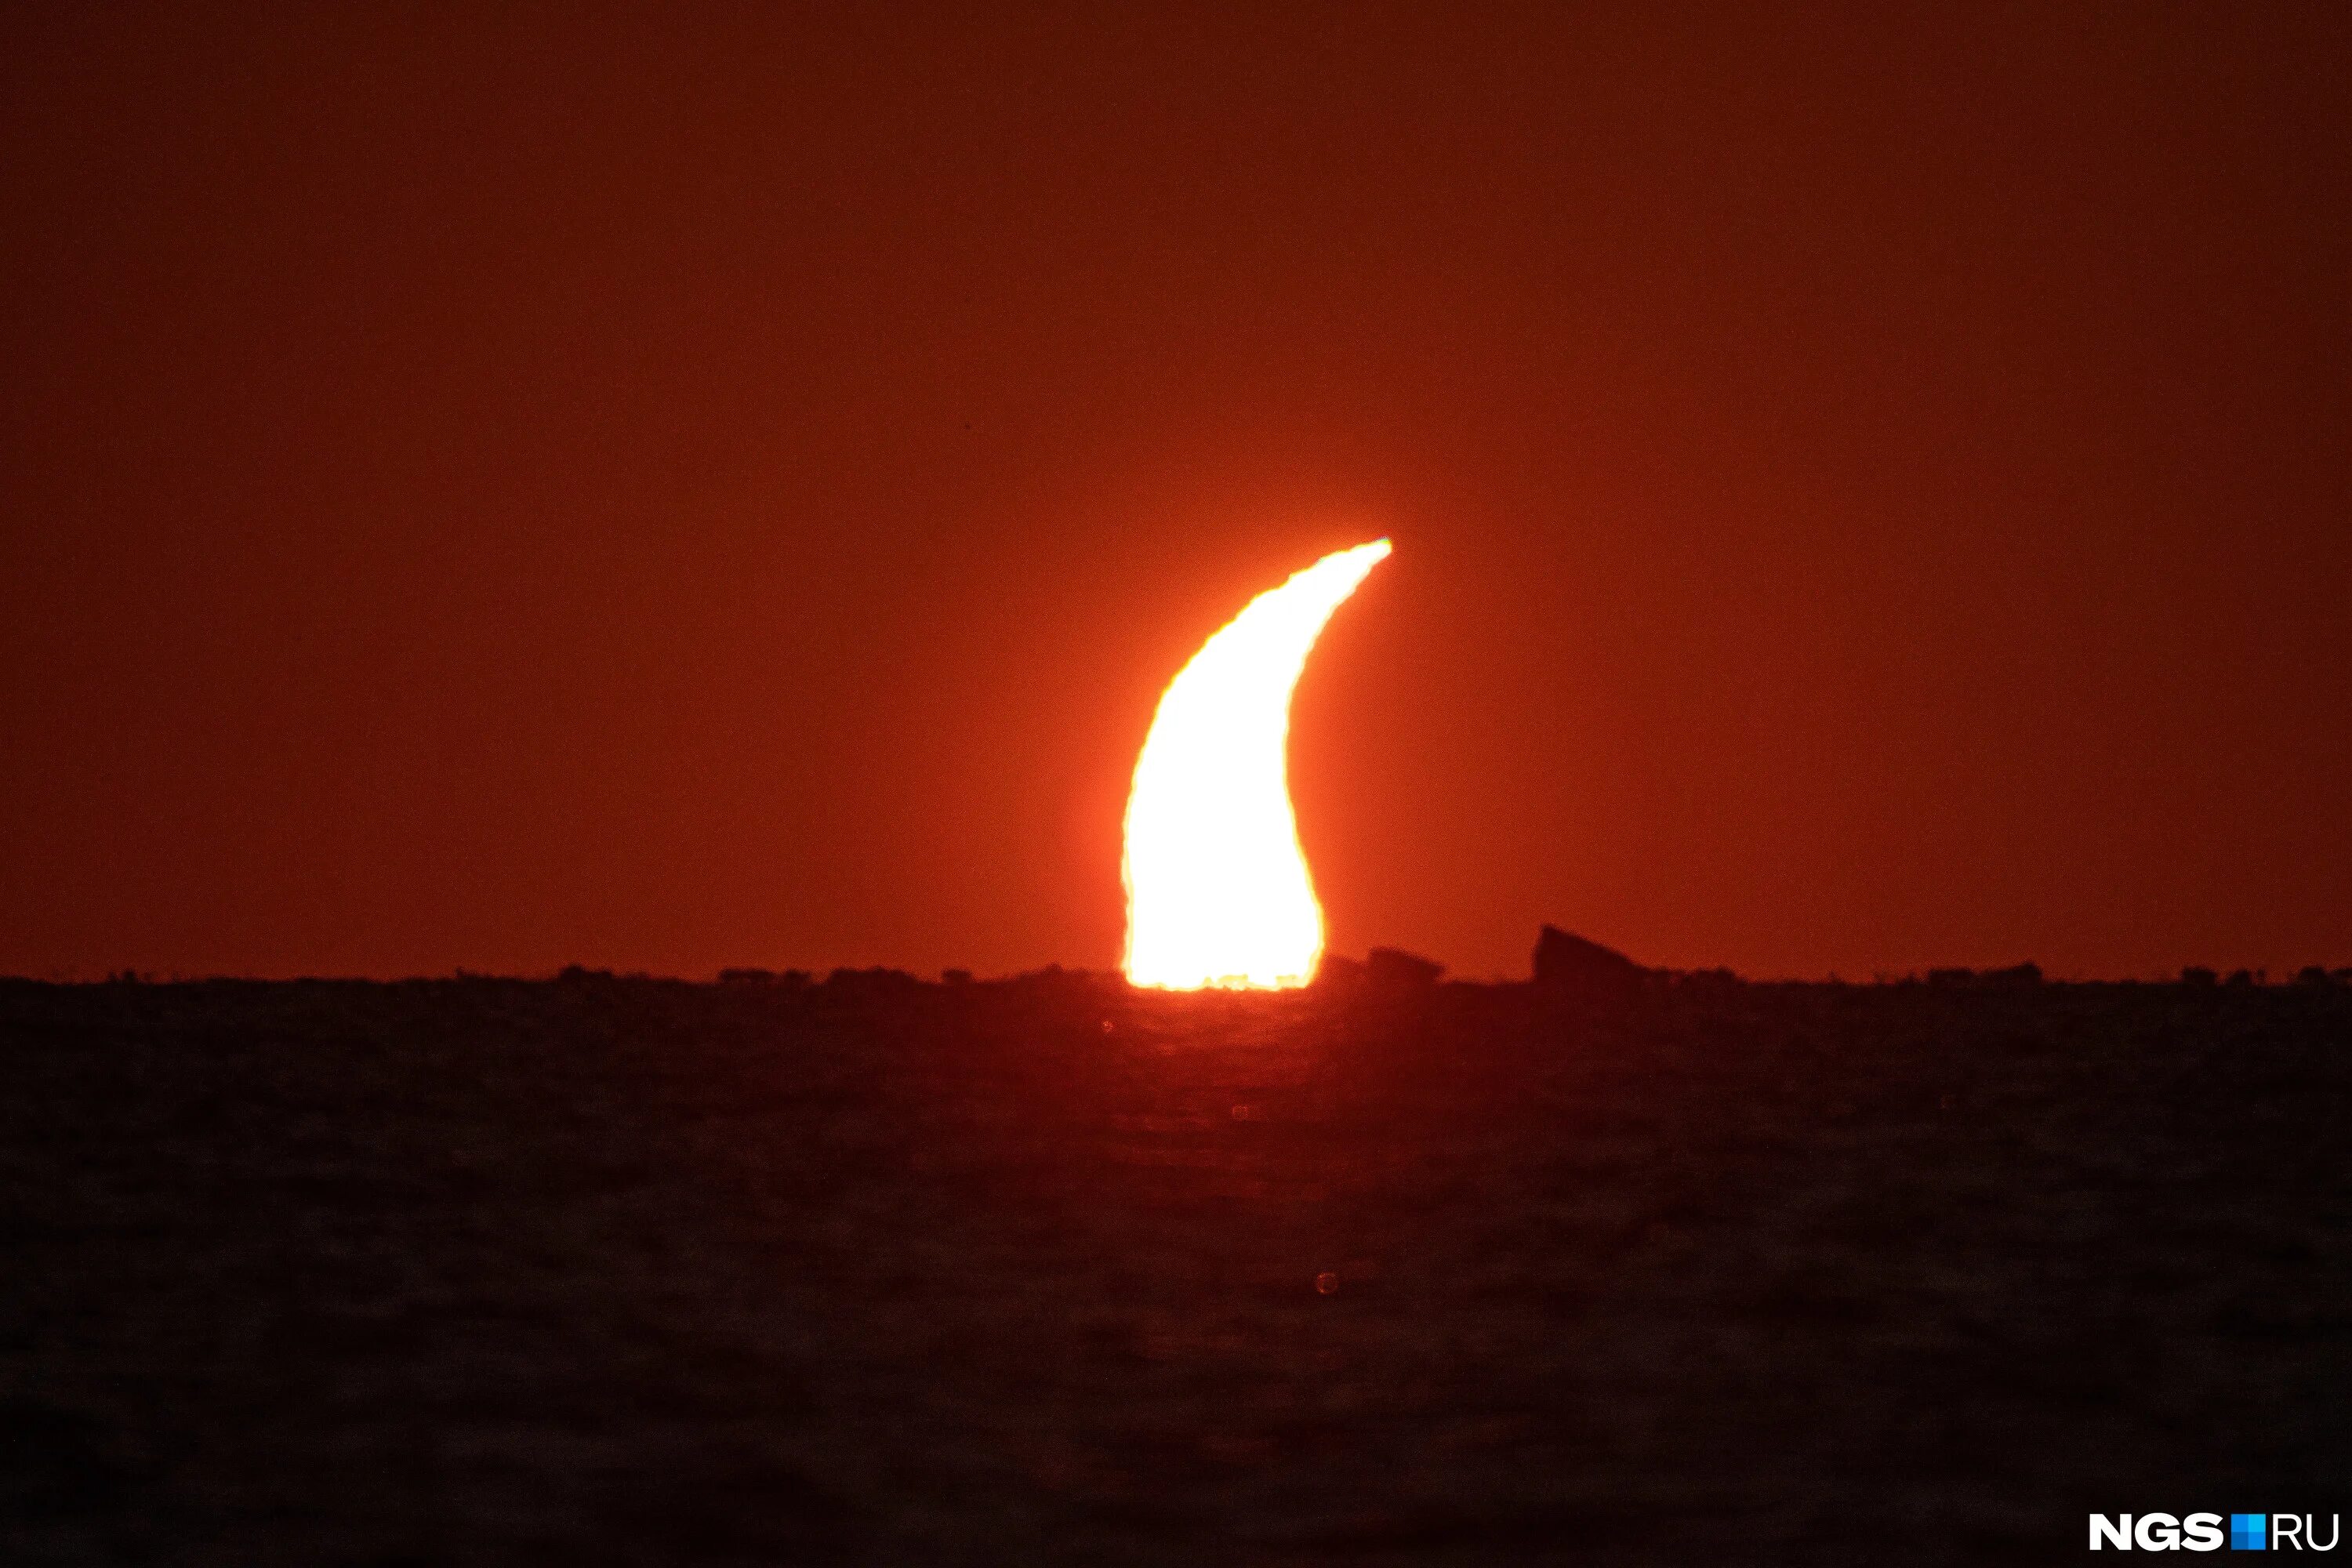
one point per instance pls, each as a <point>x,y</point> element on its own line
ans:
<point>1217,887</point>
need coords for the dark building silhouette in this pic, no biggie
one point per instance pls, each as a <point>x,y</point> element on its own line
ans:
<point>1568,962</point>
<point>1393,969</point>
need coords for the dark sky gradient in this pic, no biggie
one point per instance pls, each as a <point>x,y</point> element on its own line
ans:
<point>500,489</point>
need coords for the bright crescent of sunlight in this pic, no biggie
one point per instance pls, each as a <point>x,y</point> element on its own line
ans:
<point>1217,887</point>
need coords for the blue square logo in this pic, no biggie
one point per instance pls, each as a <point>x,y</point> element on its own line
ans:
<point>2246,1532</point>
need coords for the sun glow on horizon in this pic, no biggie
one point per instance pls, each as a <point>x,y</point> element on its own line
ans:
<point>1218,892</point>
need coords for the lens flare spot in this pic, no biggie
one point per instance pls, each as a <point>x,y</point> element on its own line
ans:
<point>1217,887</point>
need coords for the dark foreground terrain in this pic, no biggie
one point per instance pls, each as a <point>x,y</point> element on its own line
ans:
<point>610,1271</point>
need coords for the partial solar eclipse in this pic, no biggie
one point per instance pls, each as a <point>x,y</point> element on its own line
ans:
<point>1217,887</point>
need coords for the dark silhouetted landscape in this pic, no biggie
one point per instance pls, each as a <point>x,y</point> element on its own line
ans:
<point>1621,1267</point>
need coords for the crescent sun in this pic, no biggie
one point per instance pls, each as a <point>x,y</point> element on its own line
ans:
<point>1218,892</point>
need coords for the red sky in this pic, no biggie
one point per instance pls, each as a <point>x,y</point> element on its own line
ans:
<point>501,487</point>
